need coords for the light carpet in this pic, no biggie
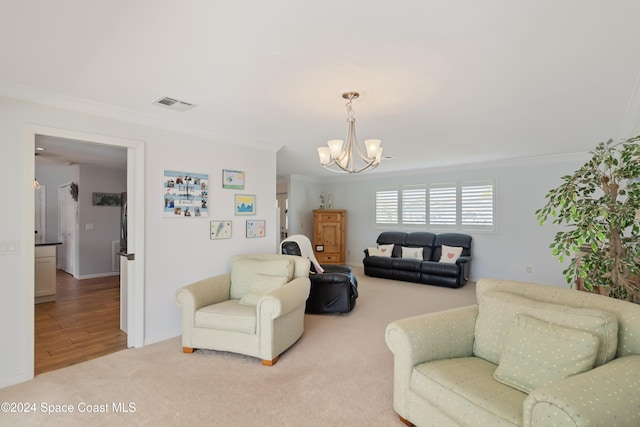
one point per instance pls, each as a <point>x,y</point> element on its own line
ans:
<point>340,373</point>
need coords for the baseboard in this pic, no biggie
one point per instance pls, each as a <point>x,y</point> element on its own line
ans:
<point>93,276</point>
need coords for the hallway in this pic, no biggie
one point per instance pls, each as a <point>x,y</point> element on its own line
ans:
<point>82,324</point>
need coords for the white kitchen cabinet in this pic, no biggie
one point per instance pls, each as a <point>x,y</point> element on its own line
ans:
<point>45,273</point>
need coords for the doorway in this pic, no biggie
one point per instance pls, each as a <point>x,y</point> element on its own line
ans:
<point>67,219</point>
<point>135,188</point>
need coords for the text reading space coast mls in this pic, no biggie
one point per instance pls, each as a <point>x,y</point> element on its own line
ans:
<point>57,408</point>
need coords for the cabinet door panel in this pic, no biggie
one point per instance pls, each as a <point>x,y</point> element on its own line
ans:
<point>329,234</point>
<point>45,276</point>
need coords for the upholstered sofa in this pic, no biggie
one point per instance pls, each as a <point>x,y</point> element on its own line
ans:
<point>525,355</point>
<point>395,257</point>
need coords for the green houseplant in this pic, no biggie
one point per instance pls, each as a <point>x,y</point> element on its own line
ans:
<point>599,207</point>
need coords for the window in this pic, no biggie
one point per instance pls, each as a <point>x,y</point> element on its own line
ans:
<point>462,205</point>
<point>414,206</point>
<point>477,205</point>
<point>387,207</point>
<point>442,206</point>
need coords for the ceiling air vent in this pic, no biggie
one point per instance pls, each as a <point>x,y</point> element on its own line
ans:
<point>173,104</point>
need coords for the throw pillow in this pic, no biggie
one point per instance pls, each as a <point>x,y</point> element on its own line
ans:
<point>450,254</point>
<point>374,252</point>
<point>243,271</point>
<point>497,311</point>
<point>412,253</point>
<point>538,353</point>
<point>385,250</point>
<point>260,286</point>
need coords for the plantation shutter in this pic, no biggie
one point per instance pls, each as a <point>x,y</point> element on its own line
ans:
<point>477,205</point>
<point>387,207</point>
<point>442,206</point>
<point>414,206</point>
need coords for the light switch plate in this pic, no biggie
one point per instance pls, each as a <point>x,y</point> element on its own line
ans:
<point>11,247</point>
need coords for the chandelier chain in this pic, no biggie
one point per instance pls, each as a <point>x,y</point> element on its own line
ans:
<point>350,112</point>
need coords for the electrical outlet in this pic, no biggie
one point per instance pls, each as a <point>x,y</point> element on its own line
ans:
<point>529,269</point>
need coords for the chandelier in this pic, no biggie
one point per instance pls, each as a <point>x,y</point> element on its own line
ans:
<point>341,157</point>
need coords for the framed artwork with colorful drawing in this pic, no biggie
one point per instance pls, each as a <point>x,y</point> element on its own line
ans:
<point>232,179</point>
<point>245,204</point>
<point>220,230</point>
<point>256,228</point>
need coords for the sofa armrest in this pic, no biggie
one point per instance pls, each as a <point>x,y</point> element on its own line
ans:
<point>442,335</point>
<point>284,299</point>
<point>433,336</point>
<point>463,259</point>
<point>604,396</point>
<point>465,263</point>
<point>202,293</point>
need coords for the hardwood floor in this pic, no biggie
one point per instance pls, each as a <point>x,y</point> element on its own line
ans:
<point>82,324</point>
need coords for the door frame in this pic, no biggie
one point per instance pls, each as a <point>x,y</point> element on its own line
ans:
<point>42,193</point>
<point>74,254</point>
<point>136,198</point>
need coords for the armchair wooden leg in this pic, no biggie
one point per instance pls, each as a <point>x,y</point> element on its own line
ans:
<point>270,362</point>
<point>407,422</point>
<point>188,350</point>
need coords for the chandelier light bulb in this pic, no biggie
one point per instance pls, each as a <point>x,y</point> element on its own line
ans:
<point>325,155</point>
<point>373,145</point>
<point>335,147</point>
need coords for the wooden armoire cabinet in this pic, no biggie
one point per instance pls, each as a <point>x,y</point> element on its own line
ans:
<point>328,235</point>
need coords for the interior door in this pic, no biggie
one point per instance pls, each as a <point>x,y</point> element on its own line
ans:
<point>40,214</point>
<point>67,219</point>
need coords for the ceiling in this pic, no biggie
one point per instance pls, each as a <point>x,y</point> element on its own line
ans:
<point>441,82</point>
<point>61,150</point>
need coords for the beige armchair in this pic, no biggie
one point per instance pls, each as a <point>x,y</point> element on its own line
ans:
<point>257,309</point>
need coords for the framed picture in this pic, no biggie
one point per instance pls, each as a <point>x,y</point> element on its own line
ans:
<point>220,230</point>
<point>232,179</point>
<point>186,194</point>
<point>106,199</point>
<point>256,228</point>
<point>245,204</point>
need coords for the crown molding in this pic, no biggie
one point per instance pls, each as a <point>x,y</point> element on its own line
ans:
<point>80,105</point>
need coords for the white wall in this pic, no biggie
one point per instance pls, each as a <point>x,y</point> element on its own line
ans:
<point>52,175</point>
<point>99,225</point>
<point>178,251</point>
<point>304,197</point>
<point>518,242</point>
